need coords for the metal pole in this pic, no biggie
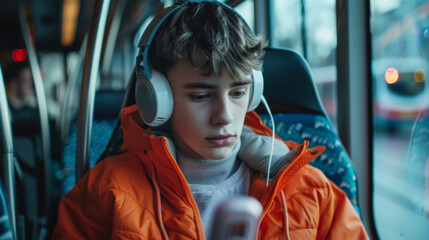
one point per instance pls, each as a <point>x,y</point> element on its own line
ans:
<point>8,176</point>
<point>304,30</point>
<point>71,87</point>
<point>262,18</point>
<point>355,95</point>
<point>112,37</point>
<point>42,106</point>
<point>90,73</point>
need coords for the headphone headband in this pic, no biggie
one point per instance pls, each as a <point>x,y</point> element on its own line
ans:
<point>146,40</point>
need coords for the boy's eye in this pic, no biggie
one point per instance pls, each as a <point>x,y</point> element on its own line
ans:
<point>239,93</point>
<point>199,97</point>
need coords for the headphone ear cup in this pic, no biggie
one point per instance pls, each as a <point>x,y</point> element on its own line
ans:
<point>257,90</point>
<point>154,99</point>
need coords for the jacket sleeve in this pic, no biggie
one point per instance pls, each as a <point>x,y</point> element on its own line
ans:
<point>339,212</point>
<point>80,215</point>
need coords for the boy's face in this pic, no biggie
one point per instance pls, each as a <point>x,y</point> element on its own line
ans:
<point>209,111</point>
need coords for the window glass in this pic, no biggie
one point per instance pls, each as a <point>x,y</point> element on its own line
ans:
<point>400,64</point>
<point>309,28</point>
<point>245,9</point>
<point>286,25</point>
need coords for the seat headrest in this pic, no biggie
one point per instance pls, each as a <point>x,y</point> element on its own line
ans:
<point>289,86</point>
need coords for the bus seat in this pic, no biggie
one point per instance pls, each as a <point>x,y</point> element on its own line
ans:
<point>334,161</point>
<point>5,224</point>
<point>28,180</point>
<point>298,115</point>
<point>107,106</point>
<point>116,140</point>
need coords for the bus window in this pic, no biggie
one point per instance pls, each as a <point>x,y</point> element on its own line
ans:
<point>400,67</point>
<point>309,28</point>
<point>246,10</point>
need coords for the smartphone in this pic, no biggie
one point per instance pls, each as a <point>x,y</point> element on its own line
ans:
<point>236,219</point>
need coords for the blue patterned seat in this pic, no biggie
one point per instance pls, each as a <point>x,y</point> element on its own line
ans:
<point>299,115</point>
<point>5,227</point>
<point>106,110</point>
<point>100,134</point>
<point>334,161</point>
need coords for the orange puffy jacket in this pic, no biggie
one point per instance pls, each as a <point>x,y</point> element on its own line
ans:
<point>142,194</point>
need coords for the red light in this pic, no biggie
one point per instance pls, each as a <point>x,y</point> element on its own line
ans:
<point>19,55</point>
<point>391,75</point>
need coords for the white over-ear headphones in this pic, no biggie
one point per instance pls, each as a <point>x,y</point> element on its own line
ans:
<point>153,93</point>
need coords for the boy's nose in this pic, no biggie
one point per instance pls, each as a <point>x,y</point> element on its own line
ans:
<point>222,114</point>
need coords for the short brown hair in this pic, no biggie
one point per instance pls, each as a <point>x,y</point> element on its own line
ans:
<point>210,36</point>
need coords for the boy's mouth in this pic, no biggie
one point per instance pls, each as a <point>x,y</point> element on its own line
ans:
<point>221,140</point>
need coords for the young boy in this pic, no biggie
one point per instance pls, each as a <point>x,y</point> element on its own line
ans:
<point>169,179</point>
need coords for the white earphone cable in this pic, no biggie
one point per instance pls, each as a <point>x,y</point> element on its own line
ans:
<point>264,101</point>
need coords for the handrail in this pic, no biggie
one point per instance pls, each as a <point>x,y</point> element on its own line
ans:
<point>7,155</point>
<point>42,106</point>
<point>112,36</point>
<point>90,73</point>
<point>69,91</point>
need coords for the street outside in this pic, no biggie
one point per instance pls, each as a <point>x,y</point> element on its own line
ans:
<point>398,201</point>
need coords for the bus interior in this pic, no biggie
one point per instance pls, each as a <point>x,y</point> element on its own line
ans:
<point>360,67</point>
